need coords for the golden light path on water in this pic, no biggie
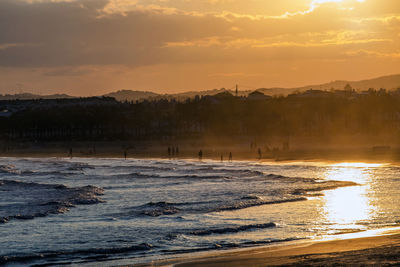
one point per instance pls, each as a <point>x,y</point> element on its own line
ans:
<point>347,207</point>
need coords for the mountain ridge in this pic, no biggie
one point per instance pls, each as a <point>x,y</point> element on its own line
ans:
<point>389,82</point>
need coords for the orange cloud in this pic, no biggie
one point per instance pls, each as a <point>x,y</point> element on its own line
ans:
<point>198,43</point>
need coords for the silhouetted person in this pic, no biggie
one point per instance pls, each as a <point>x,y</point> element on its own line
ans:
<point>230,156</point>
<point>125,153</point>
<point>222,158</point>
<point>259,153</point>
<point>70,152</point>
<point>200,155</point>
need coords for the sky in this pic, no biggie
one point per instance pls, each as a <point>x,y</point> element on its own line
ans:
<point>92,47</point>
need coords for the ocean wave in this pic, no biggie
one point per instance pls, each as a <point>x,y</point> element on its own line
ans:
<point>137,175</point>
<point>170,176</point>
<point>314,189</point>
<point>252,197</point>
<point>270,241</point>
<point>46,173</point>
<point>152,209</point>
<point>78,166</point>
<point>223,245</point>
<point>275,176</point>
<point>253,203</point>
<point>93,252</point>
<point>156,209</point>
<point>228,245</point>
<point>236,172</point>
<point>195,176</point>
<point>155,167</point>
<point>235,229</point>
<point>290,190</point>
<point>31,200</point>
<point>9,169</point>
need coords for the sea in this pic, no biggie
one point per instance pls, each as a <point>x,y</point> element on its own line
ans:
<point>110,212</point>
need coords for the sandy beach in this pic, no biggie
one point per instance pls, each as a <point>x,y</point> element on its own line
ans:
<point>374,248</point>
<point>211,151</point>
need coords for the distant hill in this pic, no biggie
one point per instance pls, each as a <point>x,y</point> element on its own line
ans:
<point>129,95</point>
<point>29,96</point>
<point>192,94</point>
<point>390,82</point>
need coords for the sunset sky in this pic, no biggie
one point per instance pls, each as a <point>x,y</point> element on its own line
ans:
<point>91,47</point>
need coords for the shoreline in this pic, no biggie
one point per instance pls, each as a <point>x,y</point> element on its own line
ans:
<point>316,161</point>
<point>211,153</point>
<point>377,247</point>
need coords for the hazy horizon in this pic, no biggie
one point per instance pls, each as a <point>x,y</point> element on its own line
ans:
<point>93,47</point>
<point>232,88</point>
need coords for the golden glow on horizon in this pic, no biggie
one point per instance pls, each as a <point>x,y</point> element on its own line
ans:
<point>358,165</point>
<point>348,206</point>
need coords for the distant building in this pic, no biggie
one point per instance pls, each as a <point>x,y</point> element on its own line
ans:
<point>220,97</point>
<point>348,88</point>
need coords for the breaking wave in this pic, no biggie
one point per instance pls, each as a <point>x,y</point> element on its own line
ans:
<point>93,253</point>
<point>32,200</point>
<point>236,229</point>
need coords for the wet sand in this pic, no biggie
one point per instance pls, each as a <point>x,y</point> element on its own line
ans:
<point>347,250</point>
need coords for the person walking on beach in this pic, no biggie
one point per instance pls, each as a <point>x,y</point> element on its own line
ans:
<point>70,152</point>
<point>125,153</point>
<point>222,158</point>
<point>230,156</point>
<point>259,153</point>
<point>200,155</point>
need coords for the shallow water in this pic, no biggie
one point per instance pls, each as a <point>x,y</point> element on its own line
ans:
<point>86,211</point>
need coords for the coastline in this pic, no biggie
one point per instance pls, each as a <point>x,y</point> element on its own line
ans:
<point>189,151</point>
<point>374,247</point>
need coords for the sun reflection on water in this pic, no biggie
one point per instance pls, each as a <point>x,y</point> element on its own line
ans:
<point>347,207</point>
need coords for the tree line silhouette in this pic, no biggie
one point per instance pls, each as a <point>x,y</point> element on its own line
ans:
<point>312,113</point>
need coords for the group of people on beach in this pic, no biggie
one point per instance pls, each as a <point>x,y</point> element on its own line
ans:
<point>230,157</point>
<point>173,151</point>
<point>222,156</point>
